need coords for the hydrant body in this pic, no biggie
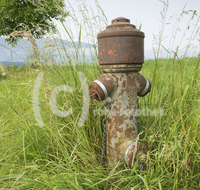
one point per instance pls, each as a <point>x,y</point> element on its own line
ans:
<point>121,55</point>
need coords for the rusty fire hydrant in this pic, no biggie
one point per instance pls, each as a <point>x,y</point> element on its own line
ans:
<point>121,55</point>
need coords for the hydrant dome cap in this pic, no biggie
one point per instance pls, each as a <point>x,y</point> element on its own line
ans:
<point>120,19</point>
<point>120,27</point>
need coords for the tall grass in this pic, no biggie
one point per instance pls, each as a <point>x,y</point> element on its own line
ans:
<point>61,155</point>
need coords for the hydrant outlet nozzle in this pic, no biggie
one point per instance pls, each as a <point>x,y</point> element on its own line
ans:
<point>145,85</point>
<point>102,87</point>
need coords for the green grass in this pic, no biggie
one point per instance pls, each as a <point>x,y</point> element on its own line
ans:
<point>60,155</point>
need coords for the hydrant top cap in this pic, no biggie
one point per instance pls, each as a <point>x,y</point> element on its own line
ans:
<point>120,19</point>
<point>120,27</point>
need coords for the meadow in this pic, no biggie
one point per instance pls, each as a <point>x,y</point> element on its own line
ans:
<point>61,155</point>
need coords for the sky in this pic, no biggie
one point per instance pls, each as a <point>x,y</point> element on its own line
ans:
<point>179,30</point>
<point>170,25</point>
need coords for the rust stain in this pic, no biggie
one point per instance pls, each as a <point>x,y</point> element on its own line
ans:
<point>112,52</point>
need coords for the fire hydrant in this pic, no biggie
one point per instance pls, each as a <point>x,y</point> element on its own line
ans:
<point>121,55</point>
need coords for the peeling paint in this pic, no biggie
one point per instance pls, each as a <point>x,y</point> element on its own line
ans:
<point>112,52</point>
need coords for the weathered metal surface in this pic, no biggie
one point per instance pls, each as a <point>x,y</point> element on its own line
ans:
<point>122,127</point>
<point>96,92</point>
<point>119,68</point>
<point>121,47</point>
<point>121,20</point>
<point>144,85</point>
<point>136,150</point>
<point>121,54</point>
